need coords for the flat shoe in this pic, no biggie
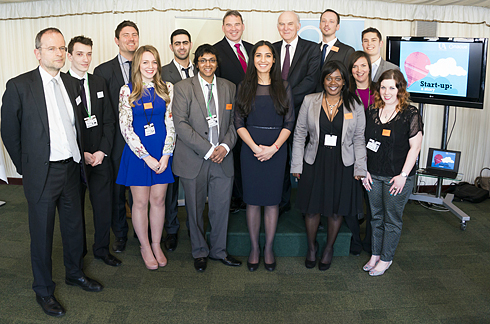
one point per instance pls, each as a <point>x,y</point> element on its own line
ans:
<point>374,273</point>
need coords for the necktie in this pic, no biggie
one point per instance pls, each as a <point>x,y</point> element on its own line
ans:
<point>213,131</point>
<point>324,54</point>
<point>83,94</point>
<point>287,64</point>
<point>130,71</point>
<point>373,72</point>
<point>241,58</point>
<point>67,124</point>
<point>186,71</point>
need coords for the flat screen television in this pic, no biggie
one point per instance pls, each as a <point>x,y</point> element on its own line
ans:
<point>441,70</point>
<point>443,163</point>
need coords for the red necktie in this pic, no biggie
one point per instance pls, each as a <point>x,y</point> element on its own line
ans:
<point>241,58</point>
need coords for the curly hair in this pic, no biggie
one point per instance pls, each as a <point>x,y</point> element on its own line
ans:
<point>401,84</point>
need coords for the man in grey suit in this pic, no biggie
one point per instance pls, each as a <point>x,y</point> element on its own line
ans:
<point>178,69</point>
<point>371,44</point>
<point>41,129</point>
<point>203,119</point>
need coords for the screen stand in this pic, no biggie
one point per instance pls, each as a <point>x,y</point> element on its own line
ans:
<point>437,199</point>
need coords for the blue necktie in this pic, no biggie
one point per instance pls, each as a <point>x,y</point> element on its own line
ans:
<point>324,54</point>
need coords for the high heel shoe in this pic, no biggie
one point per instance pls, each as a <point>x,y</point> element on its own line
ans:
<point>325,266</point>
<point>311,264</point>
<point>158,253</point>
<point>252,266</point>
<point>150,263</point>
<point>367,267</point>
<point>374,273</point>
<point>270,266</point>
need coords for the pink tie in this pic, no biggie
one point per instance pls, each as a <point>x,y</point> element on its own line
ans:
<point>241,57</point>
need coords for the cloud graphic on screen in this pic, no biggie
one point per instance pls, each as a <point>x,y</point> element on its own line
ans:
<point>447,159</point>
<point>445,67</point>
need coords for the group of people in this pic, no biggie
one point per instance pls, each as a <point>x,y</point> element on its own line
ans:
<point>235,122</point>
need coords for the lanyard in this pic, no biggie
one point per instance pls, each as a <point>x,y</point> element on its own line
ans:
<point>89,102</point>
<point>210,97</point>
<point>369,97</point>
<point>152,108</point>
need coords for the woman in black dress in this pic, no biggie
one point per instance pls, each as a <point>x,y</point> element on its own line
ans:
<point>329,166</point>
<point>264,119</point>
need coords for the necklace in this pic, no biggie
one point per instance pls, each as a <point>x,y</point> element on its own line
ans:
<point>332,106</point>
<point>387,120</point>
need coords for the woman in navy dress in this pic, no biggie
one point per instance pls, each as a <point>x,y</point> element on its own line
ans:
<point>264,119</point>
<point>145,118</point>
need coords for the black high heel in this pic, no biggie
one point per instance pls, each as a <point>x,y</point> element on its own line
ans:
<point>252,266</point>
<point>270,266</point>
<point>325,266</point>
<point>311,264</point>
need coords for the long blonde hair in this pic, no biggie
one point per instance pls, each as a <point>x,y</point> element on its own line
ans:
<point>138,89</point>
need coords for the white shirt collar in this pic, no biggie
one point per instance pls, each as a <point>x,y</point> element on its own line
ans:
<point>294,43</point>
<point>46,77</point>
<point>331,43</point>
<point>232,43</point>
<point>180,67</point>
<point>75,75</point>
<point>376,63</point>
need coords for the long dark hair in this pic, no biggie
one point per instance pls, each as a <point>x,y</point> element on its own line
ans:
<point>248,88</point>
<point>353,59</point>
<point>329,68</point>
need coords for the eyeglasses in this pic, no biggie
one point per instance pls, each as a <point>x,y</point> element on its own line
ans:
<point>203,61</point>
<point>53,49</point>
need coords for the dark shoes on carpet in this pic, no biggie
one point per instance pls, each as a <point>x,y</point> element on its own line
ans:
<point>85,283</point>
<point>119,244</point>
<point>229,261</point>
<point>252,266</point>
<point>50,305</point>
<point>200,264</point>
<point>171,242</point>
<point>109,259</point>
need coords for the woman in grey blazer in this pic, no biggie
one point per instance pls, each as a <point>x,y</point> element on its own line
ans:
<point>330,164</point>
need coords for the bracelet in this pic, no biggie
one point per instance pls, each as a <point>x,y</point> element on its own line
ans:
<point>276,146</point>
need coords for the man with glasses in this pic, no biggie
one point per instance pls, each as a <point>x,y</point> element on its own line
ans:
<point>203,119</point>
<point>41,129</point>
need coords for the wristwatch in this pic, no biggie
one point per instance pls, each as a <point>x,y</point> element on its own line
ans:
<point>403,174</point>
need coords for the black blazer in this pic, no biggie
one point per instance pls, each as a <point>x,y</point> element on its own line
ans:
<point>304,72</point>
<point>171,74</point>
<point>114,80</point>
<point>25,129</point>
<point>342,55</point>
<point>229,67</point>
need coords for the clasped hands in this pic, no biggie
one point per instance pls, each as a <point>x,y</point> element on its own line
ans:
<point>264,153</point>
<point>218,154</point>
<point>94,159</point>
<point>155,165</point>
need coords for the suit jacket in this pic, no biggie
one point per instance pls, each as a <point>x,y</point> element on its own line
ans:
<point>171,74</point>
<point>25,128</point>
<point>384,66</point>
<point>304,72</point>
<point>352,141</point>
<point>229,66</point>
<point>111,72</point>
<point>342,55</point>
<point>189,114</point>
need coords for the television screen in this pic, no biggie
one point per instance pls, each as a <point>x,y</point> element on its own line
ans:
<point>443,163</point>
<point>444,71</point>
<point>443,160</point>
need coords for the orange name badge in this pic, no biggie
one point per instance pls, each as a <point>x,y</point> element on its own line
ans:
<point>229,106</point>
<point>335,48</point>
<point>147,105</point>
<point>386,132</point>
<point>348,116</point>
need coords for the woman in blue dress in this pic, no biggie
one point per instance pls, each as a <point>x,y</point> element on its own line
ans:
<point>145,118</point>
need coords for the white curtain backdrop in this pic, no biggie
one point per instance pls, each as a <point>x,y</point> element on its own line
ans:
<point>19,23</point>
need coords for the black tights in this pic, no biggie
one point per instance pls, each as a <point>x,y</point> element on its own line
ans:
<point>333,226</point>
<point>271,214</point>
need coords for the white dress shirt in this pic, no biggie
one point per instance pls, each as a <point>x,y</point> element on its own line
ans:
<point>330,44</point>
<point>242,48</point>
<point>182,73</point>
<point>374,67</point>
<point>87,89</point>
<point>124,67</point>
<point>292,50</point>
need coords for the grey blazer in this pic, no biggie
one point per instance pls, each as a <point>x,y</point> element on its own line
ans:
<point>353,143</point>
<point>171,74</point>
<point>384,66</point>
<point>189,115</point>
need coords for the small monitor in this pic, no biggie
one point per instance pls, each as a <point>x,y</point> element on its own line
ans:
<point>443,163</point>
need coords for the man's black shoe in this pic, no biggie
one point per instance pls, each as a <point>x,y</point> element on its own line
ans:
<point>85,283</point>
<point>171,242</point>
<point>109,259</point>
<point>229,261</point>
<point>119,244</point>
<point>50,305</point>
<point>200,264</point>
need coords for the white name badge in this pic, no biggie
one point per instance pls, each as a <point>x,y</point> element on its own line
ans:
<point>78,100</point>
<point>212,121</point>
<point>90,121</point>
<point>373,145</point>
<point>100,94</point>
<point>149,129</point>
<point>330,140</point>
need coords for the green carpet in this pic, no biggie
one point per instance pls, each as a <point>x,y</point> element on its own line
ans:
<point>439,275</point>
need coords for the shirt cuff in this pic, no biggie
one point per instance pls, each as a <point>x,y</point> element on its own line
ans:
<point>209,152</point>
<point>226,148</point>
<point>143,156</point>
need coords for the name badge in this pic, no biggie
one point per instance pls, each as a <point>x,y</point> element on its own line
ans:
<point>229,106</point>
<point>149,129</point>
<point>335,48</point>
<point>100,94</point>
<point>90,121</point>
<point>78,100</point>
<point>386,132</point>
<point>330,140</point>
<point>212,121</point>
<point>148,105</point>
<point>373,145</point>
<point>348,116</point>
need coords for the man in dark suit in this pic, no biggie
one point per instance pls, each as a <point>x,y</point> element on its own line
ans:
<point>330,47</point>
<point>41,129</point>
<point>234,55</point>
<point>98,137</point>
<point>178,69</point>
<point>371,44</point>
<point>203,119</point>
<point>300,62</point>
<point>116,73</point>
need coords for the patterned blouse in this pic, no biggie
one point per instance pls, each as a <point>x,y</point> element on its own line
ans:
<point>126,123</point>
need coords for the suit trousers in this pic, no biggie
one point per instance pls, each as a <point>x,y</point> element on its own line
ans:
<point>211,182</point>
<point>172,223</point>
<point>386,213</point>
<point>119,222</point>
<point>101,185</point>
<point>62,192</point>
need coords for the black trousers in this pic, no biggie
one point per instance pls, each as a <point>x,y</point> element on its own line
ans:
<point>62,192</point>
<point>172,224</point>
<point>101,184</point>
<point>119,222</point>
